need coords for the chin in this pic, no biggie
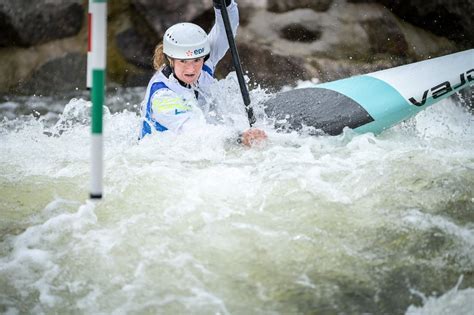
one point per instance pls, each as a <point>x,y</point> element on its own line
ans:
<point>189,81</point>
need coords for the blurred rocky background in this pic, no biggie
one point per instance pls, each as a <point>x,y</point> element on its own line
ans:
<point>43,43</point>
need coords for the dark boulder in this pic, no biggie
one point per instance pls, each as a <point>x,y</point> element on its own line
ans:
<point>26,23</point>
<point>58,75</point>
<point>160,15</point>
<point>451,19</point>
<point>8,33</point>
<point>301,32</point>
<point>271,70</point>
<point>288,5</point>
<point>135,48</point>
<point>385,36</point>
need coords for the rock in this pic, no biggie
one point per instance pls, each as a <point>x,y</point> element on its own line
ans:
<point>162,14</point>
<point>452,19</point>
<point>59,75</point>
<point>8,33</point>
<point>298,32</point>
<point>130,48</point>
<point>385,36</point>
<point>26,23</point>
<point>266,68</point>
<point>331,69</point>
<point>135,79</point>
<point>135,48</point>
<point>279,6</point>
<point>363,32</point>
<point>304,33</point>
<point>279,42</point>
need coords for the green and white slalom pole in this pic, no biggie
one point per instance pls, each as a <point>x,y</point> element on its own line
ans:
<point>98,48</point>
<point>89,47</point>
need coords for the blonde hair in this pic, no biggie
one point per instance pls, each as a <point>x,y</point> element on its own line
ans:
<point>159,58</point>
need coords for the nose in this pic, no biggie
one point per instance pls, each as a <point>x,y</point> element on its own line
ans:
<point>190,66</point>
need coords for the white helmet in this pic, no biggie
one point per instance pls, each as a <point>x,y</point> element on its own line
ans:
<point>186,41</point>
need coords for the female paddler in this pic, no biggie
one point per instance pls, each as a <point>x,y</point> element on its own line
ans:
<point>185,62</point>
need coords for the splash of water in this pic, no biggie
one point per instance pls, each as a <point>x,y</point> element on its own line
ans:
<point>455,301</point>
<point>197,224</point>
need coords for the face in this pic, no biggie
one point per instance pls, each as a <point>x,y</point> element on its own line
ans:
<point>188,70</point>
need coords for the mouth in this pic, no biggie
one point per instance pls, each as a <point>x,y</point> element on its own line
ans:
<point>189,78</point>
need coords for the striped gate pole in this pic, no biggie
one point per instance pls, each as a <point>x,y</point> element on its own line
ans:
<point>89,47</point>
<point>98,48</point>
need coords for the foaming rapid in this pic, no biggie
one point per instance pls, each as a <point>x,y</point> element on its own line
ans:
<point>455,301</point>
<point>198,224</point>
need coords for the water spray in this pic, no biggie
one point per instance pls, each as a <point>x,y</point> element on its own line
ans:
<point>237,65</point>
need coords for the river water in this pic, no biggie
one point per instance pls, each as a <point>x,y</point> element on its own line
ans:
<point>196,224</point>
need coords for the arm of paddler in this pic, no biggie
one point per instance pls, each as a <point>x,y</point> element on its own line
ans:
<point>170,110</point>
<point>217,36</point>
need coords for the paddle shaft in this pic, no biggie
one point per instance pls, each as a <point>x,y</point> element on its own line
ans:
<point>237,65</point>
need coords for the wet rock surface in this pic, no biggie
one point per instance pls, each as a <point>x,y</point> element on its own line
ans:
<point>27,23</point>
<point>285,5</point>
<point>63,74</point>
<point>451,19</point>
<point>280,42</point>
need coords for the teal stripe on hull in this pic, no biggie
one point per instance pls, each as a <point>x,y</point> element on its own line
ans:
<point>384,103</point>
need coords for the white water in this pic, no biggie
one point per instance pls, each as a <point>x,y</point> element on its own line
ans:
<point>197,224</point>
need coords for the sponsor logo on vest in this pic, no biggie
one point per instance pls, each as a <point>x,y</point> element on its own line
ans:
<point>443,88</point>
